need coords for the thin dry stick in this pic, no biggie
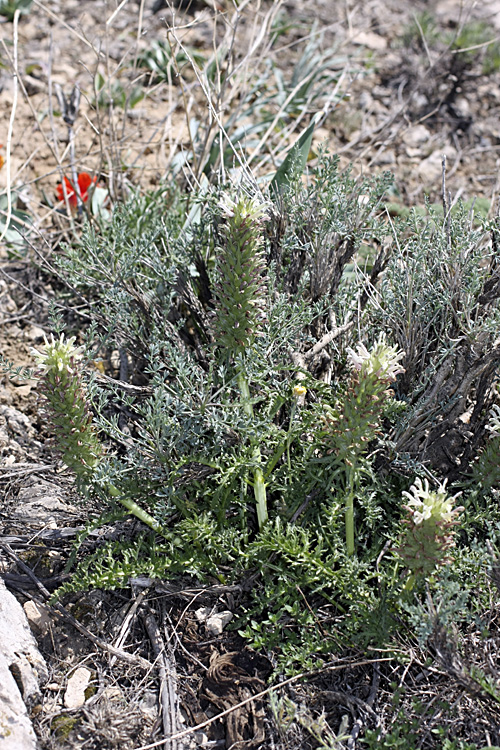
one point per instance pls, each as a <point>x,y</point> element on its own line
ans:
<point>168,682</point>
<point>327,339</point>
<point>263,693</point>
<point>61,611</point>
<point>58,158</point>
<point>212,109</point>
<point>69,109</point>
<point>42,133</point>
<point>31,470</point>
<point>125,626</point>
<point>262,27</point>
<point>115,12</point>
<point>57,18</point>
<point>53,149</point>
<point>279,116</point>
<point>184,90</point>
<point>139,32</point>
<point>11,126</point>
<point>113,139</point>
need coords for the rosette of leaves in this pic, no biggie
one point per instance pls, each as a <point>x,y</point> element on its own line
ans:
<point>429,528</point>
<point>241,279</point>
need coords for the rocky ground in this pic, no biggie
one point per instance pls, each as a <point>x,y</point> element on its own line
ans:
<point>408,98</point>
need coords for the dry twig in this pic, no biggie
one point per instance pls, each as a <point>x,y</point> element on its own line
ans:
<point>62,612</point>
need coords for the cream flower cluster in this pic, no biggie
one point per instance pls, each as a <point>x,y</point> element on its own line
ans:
<point>383,360</point>
<point>425,503</point>
<point>58,355</point>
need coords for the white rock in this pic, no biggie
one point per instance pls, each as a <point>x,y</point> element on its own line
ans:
<point>417,136</point>
<point>35,333</point>
<point>216,623</point>
<point>19,658</point>
<point>202,613</point>
<point>419,100</point>
<point>201,739</point>
<point>16,731</point>
<point>17,423</point>
<point>369,39</point>
<point>38,616</point>
<point>365,100</point>
<point>23,390</point>
<point>74,697</point>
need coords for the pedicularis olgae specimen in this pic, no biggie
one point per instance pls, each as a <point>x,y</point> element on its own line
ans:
<point>355,421</point>
<point>429,532</point>
<point>59,365</point>
<point>241,298</point>
<point>241,275</point>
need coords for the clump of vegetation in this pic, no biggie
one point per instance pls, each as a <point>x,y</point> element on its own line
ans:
<point>284,389</point>
<point>273,366</point>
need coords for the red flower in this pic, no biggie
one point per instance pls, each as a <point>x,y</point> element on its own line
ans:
<point>84,182</point>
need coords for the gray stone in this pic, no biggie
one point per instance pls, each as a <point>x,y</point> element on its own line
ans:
<point>74,697</point>
<point>216,623</point>
<point>22,668</point>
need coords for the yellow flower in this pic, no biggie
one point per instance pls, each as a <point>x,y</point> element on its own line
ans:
<point>299,390</point>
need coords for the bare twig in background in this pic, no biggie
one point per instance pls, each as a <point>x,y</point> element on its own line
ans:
<point>169,698</point>
<point>11,124</point>
<point>61,611</point>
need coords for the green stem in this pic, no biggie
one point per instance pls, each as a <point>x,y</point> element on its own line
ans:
<point>289,439</point>
<point>136,510</point>
<point>349,515</point>
<point>245,394</point>
<point>259,486</point>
